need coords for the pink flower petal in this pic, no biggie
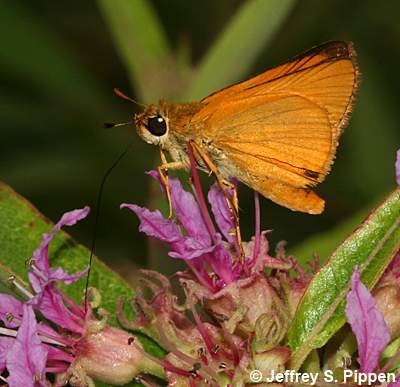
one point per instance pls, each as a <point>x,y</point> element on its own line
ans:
<point>221,263</point>
<point>26,359</point>
<point>367,324</point>
<point>40,255</point>
<point>46,330</point>
<point>153,224</point>
<point>10,305</point>
<point>188,212</point>
<point>190,248</point>
<point>257,264</point>
<point>5,344</point>
<point>186,209</point>
<point>398,167</point>
<point>58,274</point>
<point>51,305</point>
<point>222,213</point>
<point>40,281</point>
<point>41,275</point>
<point>72,217</point>
<point>57,354</point>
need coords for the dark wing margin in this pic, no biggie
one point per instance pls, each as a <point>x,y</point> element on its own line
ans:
<point>324,53</point>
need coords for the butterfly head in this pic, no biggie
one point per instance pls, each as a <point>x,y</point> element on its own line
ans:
<point>152,124</point>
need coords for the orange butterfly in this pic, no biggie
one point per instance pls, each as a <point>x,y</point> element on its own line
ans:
<point>277,132</point>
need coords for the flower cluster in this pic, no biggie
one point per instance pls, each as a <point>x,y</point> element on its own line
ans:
<point>238,302</point>
<point>234,317</point>
<point>69,342</point>
<point>239,299</point>
<point>212,255</point>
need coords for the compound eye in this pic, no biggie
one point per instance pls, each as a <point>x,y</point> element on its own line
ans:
<point>157,125</point>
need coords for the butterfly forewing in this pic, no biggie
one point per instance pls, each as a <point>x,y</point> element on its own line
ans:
<point>280,129</point>
<point>279,136</point>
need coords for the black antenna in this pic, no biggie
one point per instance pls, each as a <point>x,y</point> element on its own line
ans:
<point>109,125</point>
<point>97,215</point>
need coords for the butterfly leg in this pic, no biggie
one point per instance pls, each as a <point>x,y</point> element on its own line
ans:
<point>224,184</point>
<point>163,172</point>
<point>234,198</point>
<point>235,202</point>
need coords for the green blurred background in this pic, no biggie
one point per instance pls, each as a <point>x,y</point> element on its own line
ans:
<point>59,62</point>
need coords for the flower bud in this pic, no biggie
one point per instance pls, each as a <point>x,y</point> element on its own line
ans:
<point>253,296</point>
<point>108,356</point>
<point>272,360</point>
<point>387,298</point>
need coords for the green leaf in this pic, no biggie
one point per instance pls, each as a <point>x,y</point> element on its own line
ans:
<point>390,356</point>
<point>321,310</point>
<point>324,244</point>
<point>140,41</point>
<point>21,229</point>
<point>232,54</point>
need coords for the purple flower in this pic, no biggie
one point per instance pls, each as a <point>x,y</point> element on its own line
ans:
<point>69,342</point>
<point>190,238</point>
<point>43,278</point>
<point>398,167</point>
<point>5,345</point>
<point>189,214</point>
<point>44,275</point>
<point>11,311</point>
<point>367,324</point>
<point>26,359</point>
<point>226,279</point>
<point>215,258</point>
<point>222,214</point>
